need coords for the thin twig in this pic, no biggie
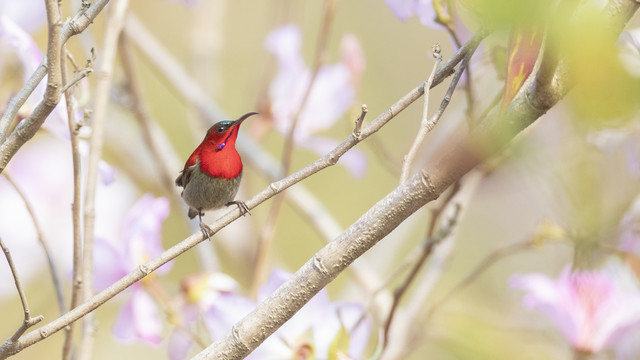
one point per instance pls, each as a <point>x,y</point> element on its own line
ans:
<point>445,19</point>
<point>76,287</point>
<point>28,320</point>
<point>55,277</point>
<point>83,73</point>
<point>268,232</point>
<point>424,129</point>
<point>114,25</point>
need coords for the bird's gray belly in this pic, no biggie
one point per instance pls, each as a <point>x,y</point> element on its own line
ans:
<point>206,192</point>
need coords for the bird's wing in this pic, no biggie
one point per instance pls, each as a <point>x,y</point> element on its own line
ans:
<point>185,175</point>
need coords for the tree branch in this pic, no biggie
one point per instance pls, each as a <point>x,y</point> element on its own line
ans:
<point>57,37</point>
<point>113,26</point>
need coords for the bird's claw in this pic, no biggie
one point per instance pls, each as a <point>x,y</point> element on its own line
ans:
<point>206,231</point>
<point>244,209</point>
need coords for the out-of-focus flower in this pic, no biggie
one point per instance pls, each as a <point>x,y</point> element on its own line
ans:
<point>28,14</point>
<point>405,9</point>
<point>140,240</point>
<point>199,292</point>
<point>314,332</point>
<point>592,308</point>
<point>331,96</point>
<point>43,171</point>
<point>626,139</point>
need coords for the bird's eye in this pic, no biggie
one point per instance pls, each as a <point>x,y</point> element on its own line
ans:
<point>220,129</point>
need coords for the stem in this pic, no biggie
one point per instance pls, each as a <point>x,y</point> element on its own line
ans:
<point>114,26</point>
<point>75,211</point>
<point>424,130</point>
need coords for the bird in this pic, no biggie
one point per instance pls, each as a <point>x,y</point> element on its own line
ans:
<point>211,176</point>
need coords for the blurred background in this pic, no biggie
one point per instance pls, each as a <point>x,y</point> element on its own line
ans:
<point>569,176</point>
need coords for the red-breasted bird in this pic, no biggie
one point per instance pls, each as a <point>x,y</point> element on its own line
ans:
<point>211,176</point>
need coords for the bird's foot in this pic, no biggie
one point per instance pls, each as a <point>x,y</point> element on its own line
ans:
<point>244,209</point>
<point>206,231</point>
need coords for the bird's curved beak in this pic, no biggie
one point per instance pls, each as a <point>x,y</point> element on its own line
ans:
<point>244,117</point>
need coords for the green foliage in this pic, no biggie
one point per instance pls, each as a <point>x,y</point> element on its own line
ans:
<point>503,14</point>
<point>604,90</point>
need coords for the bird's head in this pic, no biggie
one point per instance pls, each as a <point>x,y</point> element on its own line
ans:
<point>224,133</point>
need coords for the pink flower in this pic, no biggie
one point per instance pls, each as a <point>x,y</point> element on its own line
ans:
<point>28,14</point>
<point>43,171</point>
<point>592,308</point>
<point>331,96</point>
<point>310,332</point>
<point>199,292</point>
<point>140,240</point>
<point>405,9</point>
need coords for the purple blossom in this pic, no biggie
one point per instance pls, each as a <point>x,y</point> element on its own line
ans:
<point>592,308</point>
<point>312,330</point>
<point>139,319</point>
<point>199,292</point>
<point>42,169</point>
<point>28,14</point>
<point>139,241</point>
<point>331,96</point>
<point>405,9</point>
